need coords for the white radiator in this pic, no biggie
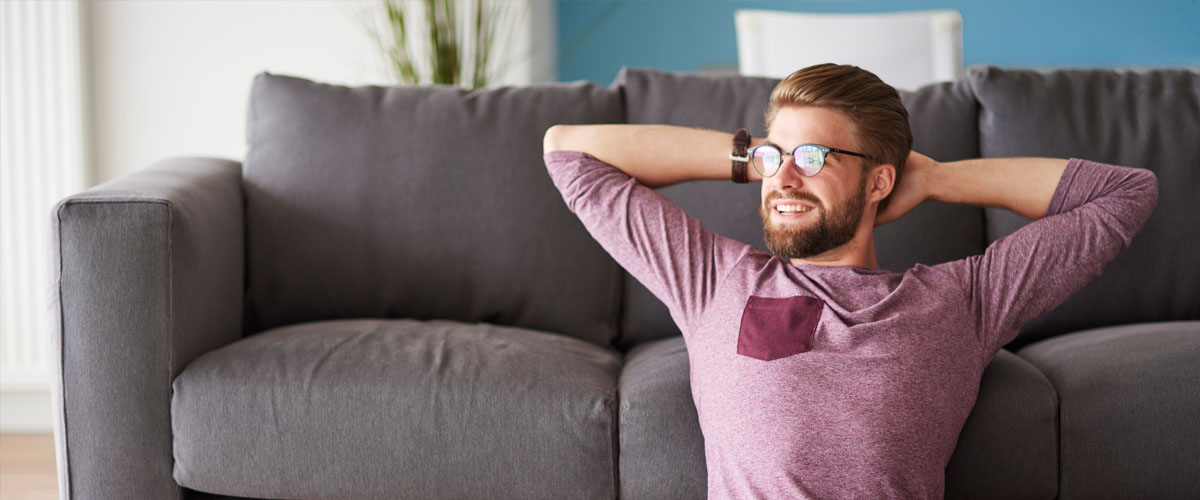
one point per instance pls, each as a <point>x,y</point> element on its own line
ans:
<point>42,155</point>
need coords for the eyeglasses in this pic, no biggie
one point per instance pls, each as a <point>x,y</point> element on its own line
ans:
<point>808,158</point>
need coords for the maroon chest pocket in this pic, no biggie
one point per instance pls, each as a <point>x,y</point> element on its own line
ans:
<point>778,328</point>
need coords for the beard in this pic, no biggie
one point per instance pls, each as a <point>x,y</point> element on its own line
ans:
<point>833,228</point>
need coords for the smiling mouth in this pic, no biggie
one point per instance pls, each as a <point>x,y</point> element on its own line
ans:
<point>792,209</point>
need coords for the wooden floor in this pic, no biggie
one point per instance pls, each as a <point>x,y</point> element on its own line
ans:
<point>27,469</point>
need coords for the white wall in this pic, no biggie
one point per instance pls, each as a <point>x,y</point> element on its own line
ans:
<point>41,161</point>
<point>172,78</point>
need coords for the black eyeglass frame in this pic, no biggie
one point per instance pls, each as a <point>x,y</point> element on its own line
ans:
<point>825,150</point>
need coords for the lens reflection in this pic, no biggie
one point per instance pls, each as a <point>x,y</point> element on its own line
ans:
<point>810,159</point>
<point>766,161</point>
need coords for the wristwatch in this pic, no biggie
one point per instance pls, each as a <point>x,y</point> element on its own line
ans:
<point>741,141</point>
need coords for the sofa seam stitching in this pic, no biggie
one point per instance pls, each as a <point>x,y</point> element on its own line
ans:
<point>1058,414</point>
<point>62,352</point>
<point>170,329</point>
<point>616,434</point>
<point>62,326</point>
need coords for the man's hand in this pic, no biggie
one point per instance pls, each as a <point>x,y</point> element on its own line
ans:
<point>912,190</point>
<point>1022,185</point>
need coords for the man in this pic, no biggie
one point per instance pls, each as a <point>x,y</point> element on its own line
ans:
<point>815,373</point>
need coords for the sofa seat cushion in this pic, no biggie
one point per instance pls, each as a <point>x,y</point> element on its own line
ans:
<point>391,408</point>
<point>1007,448</point>
<point>1129,410</point>
<point>662,448</point>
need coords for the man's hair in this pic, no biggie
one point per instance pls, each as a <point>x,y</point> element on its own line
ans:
<point>874,107</point>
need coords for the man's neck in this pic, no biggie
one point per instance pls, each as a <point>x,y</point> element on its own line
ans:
<point>859,251</point>
<point>827,259</point>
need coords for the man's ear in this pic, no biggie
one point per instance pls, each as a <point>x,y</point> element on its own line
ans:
<point>881,182</point>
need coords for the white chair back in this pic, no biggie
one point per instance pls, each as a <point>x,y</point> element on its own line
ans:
<point>905,49</point>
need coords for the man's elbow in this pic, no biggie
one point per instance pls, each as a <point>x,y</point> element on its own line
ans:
<point>1139,184</point>
<point>555,138</point>
<point>1141,195</point>
<point>1152,184</point>
<point>1150,188</point>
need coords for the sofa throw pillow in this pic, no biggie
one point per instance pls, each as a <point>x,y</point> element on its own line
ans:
<point>424,202</point>
<point>1147,119</point>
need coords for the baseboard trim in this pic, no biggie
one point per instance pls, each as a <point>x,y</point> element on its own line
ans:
<point>26,412</point>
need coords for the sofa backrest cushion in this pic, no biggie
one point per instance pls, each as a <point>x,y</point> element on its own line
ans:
<point>424,202</point>
<point>1149,120</point>
<point>943,118</point>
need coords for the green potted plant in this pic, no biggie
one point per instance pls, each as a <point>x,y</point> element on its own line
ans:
<point>448,42</point>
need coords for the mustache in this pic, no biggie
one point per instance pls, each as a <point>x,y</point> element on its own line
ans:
<point>776,195</point>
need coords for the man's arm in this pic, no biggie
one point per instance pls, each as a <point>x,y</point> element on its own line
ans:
<point>604,173</point>
<point>655,155</point>
<point>1088,213</point>
<point>1022,185</point>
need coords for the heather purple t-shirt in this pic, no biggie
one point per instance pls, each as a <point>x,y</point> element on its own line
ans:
<point>839,381</point>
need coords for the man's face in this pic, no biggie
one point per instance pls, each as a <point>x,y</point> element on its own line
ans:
<point>832,202</point>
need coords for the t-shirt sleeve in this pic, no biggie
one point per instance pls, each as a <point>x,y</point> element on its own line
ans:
<point>653,239</point>
<point>1094,214</point>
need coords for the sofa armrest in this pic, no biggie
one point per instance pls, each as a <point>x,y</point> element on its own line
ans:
<point>147,275</point>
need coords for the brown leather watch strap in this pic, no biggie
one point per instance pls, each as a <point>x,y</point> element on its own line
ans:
<point>741,141</point>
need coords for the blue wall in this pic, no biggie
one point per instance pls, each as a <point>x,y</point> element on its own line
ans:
<point>597,37</point>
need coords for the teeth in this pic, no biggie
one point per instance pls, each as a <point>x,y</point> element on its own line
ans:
<point>791,208</point>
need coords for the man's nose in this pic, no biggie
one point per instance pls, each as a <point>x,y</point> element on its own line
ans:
<point>788,177</point>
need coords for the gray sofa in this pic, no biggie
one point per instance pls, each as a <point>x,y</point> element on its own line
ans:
<point>389,299</point>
